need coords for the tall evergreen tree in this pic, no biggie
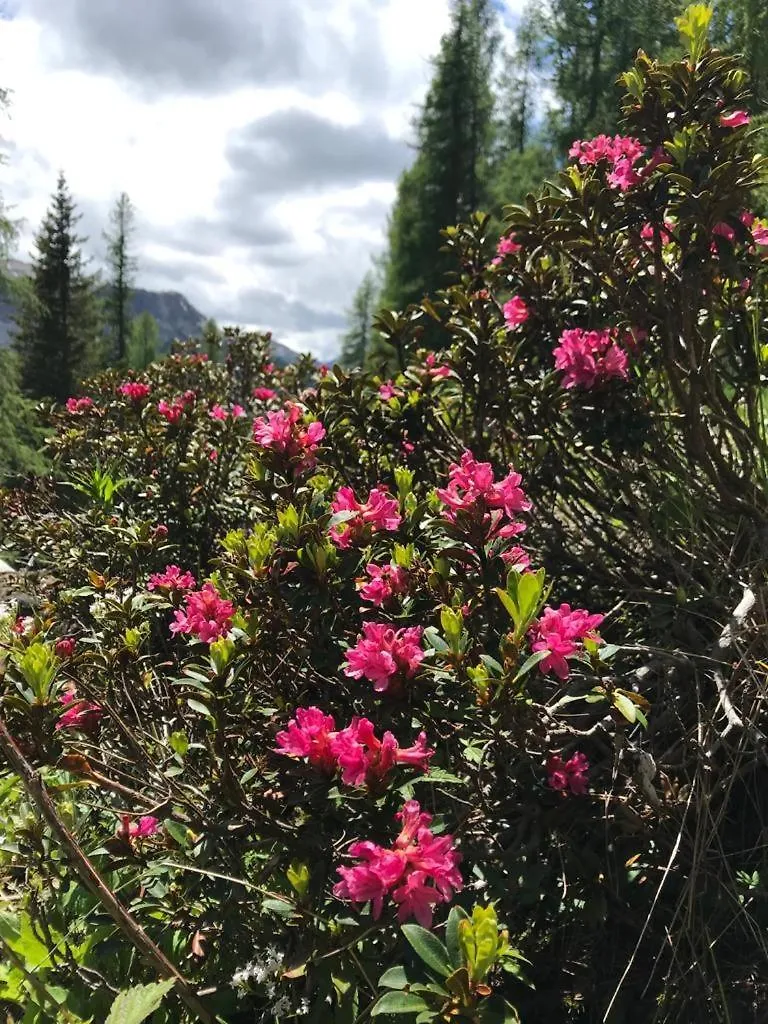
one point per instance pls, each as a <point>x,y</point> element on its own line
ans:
<point>59,324</point>
<point>741,26</point>
<point>356,342</point>
<point>122,270</point>
<point>521,82</point>
<point>591,43</point>
<point>454,137</point>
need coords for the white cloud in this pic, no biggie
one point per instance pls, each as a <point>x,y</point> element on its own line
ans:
<point>169,152</point>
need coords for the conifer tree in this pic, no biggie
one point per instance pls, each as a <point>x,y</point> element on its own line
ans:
<point>121,274</point>
<point>356,342</point>
<point>741,26</point>
<point>450,176</point>
<point>144,342</point>
<point>59,324</point>
<point>591,43</point>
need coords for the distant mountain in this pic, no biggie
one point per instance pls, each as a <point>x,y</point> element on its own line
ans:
<point>176,317</point>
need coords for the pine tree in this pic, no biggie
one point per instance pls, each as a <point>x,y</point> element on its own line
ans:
<point>122,271</point>
<point>450,176</point>
<point>144,342</point>
<point>59,325</point>
<point>212,340</point>
<point>357,340</point>
<point>521,82</point>
<point>741,26</point>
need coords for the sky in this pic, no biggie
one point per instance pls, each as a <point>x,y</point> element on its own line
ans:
<point>259,140</point>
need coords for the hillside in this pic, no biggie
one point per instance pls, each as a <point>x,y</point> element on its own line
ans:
<point>176,317</point>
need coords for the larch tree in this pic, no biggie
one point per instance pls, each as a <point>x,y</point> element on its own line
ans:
<point>121,265</point>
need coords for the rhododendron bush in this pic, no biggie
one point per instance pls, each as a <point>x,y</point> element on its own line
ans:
<point>341,696</point>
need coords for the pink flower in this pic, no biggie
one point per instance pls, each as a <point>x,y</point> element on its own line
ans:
<point>387,390</point>
<point>568,776</point>
<point>433,370</point>
<point>264,394</point>
<point>507,246</point>
<point>760,234</point>
<point>404,872</point>
<point>310,734</point>
<point>378,514</point>
<point>172,413</point>
<point>284,433</point>
<point>80,714</point>
<point>213,454</point>
<point>619,153</point>
<point>146,827</point>
<point>135,390</point>
<point>78,406</point>
<point>365,759</point>
<point>172,578</point>
<point>408,447</point>
<point>22,625</point>
<point>206,615</point>
<point>735,119</point>
<point>386,582</point>
<point>588,358</point>
<point>269,367</point>
<point>385,656</point>
<point>481,501</point>
<point>560,631</point>
<point>516,558</point>
<point>65,647</point>
<point>218,412</point>
<point>515,312</point>
<point>160,532</point>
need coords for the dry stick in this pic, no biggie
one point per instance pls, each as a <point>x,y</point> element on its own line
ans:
<point>127,924</point>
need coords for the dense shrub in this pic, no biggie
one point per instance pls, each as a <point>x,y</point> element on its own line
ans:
<point>317,655</point>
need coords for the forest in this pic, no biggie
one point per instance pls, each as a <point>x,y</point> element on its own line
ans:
<point>427,685</point>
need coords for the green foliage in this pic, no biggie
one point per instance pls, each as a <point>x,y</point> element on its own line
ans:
<point>59,324</point>
<point>21,433</point>
<point>144,342</point>
<point>356,342</point>
<point>138,1003</point>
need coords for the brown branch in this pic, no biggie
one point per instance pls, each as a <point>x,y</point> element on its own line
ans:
<point>127,924</point>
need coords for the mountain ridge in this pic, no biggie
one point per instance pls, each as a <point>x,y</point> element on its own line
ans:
<point>177,318</point>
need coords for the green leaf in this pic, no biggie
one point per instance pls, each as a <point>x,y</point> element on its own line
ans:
<point>456,916</point>
<point>395,977</point>
<point>624,705</point>
<point>428,947</point>
<point>179,743</point>
<point>298,875</point>
<point>137,1003</point>
<point>399,1002</point>
<point>530,663</point>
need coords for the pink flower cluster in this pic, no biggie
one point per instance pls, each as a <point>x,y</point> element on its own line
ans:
<point>80,714</point>
<point>587,358</point>
<point>568,776</point>
<point>363,758</point>
<point>433,370</point>
<point>561,631</point>
<point>173,411</point>
<point>388,390</point>
<point>648,232</point>
<point>515,312</point>
<point>620,153</point>
<point>218,412</point>
<point>284,433</point>
<point>507,247</point>
<point>473,492</point>
<point>146,827</point>
<point>385,582</point>
<point>135,390</point>
<point>385,655</point>
<point>418,872</point>
<point>378,514</point>
<point>206,615</point>
<point>172,578</point>
<point>264,394</point>
<point>65,647</point>
<point>78,406</point>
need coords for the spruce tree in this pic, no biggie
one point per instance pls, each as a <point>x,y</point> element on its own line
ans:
<point>121,274</point>
<point>59,324</point>
<point>450,176</point>
<point>356,342</point>
<point>741,26</point>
